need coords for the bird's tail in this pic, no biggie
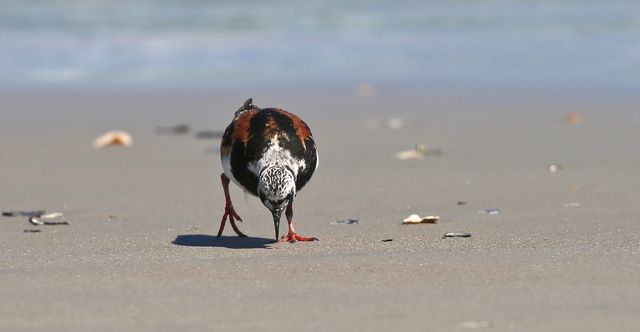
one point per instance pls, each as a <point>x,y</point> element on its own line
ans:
<point>247,106</point>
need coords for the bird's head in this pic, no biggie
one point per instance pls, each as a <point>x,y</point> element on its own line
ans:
<point>276,188</point>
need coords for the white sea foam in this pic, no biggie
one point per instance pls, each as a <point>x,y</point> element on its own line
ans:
<point>151,41</point>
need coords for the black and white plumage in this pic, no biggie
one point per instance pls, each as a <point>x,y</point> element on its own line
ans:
<point>271,154</point>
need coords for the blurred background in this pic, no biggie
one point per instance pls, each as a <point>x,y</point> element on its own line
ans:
<point>543,44</point>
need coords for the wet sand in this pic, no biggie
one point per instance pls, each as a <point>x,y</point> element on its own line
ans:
<point>140,253</point>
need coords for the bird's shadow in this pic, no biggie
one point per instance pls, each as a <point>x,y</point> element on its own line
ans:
<point>231,242</point>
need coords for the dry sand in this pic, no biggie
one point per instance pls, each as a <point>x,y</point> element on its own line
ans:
<point>562,254</point>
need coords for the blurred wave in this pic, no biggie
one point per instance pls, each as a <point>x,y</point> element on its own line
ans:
<point>157,42</point>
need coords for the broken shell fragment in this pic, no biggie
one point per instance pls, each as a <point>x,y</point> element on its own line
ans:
<point>573,118</point>
<point>419,152</point>
<point>347,222</point>
<point>416,219</point>
<point>556,168</point>
<point>38,222</point>
<point>571,205</point>
<point>51,215</point>
<point>490,211</point>
<point>456,234</point>
<point>113,138</point>
<point>409,154</point>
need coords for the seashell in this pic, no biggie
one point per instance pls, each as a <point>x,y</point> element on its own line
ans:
<point>35,221</point>
<point>51,215</point>
<point>573,204</point>
<point>555,168</point>
<point>113,138</point>
<point>347,222</point>
<point>410,154</point>
<point>490,211</point>
<point>456,234</point>
<point>38,222</point>
<point>419,152</point>
<point>416,219</point>
<point>573,118</point>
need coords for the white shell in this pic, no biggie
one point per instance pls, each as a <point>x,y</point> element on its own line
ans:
<point>52,215</point>
<point>416,219</point>
<point>113,138</point>
<point>410,154</point>
<point>419,152</point>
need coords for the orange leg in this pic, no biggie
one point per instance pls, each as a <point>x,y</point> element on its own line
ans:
<point>228,209</point>
<point>292,236</point>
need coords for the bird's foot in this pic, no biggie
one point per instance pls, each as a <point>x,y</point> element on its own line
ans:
<point>230,213</point>
<point>293,237</point>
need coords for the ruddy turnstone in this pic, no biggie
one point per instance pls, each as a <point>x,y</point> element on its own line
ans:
<point>271,154</point>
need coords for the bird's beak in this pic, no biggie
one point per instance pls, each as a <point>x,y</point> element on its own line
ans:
<point>276,221</point>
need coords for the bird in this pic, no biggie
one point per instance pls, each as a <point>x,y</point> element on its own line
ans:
<point>270,153</point>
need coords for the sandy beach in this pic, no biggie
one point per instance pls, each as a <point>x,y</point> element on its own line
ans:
<point>140,252</point>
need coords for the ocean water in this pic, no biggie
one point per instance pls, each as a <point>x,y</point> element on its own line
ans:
<point>546,43</point>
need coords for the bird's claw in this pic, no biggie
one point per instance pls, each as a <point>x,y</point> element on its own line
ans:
<point>230,213</point>
<point>293,237</point>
